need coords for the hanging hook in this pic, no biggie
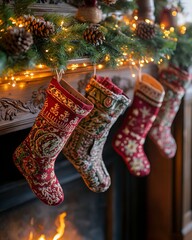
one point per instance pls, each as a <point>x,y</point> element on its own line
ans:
<point>59,74</point>
<point>94,70</point>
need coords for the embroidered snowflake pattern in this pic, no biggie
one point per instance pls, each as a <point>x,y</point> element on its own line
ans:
<point>145,112</point>
<point>131,147</point>
<point>137,164</point>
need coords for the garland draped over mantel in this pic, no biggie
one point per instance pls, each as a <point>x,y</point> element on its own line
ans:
<point>62,38</point>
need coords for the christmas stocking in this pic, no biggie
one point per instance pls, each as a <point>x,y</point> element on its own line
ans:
<point>64,107</point>
<point>174,82</point>
<point>129,140</point>
<point>85,145</point>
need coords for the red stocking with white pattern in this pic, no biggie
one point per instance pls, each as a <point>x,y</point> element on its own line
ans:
<point>129,140</point>
<point>35,157</point>
<point>174,81</point>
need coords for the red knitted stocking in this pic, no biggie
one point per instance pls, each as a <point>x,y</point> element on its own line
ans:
<point>174,82</point>
<point>130,138</point>
<point>35,156</point>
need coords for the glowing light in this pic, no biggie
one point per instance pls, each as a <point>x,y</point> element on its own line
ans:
<point>162,26</point>
<point>183,29</point>
<point>69,49</point>
<point>172,29</point>
<point>174,13</point>
<point>168,57</point>
<point>31,236</point>
<point>134,25</point>
<point>42,237</point>
<point>136,18</point>
<point>133,75</point>
<point>74,66</point>
<point>20,25</point>
<point>107,58</point>
<point>40,66</point>
<point>13,84</point>
<point>61,227</point>
<point>100,66</point>
<point>148,21</point>
<point>46,50</point>
<point>84,65</point>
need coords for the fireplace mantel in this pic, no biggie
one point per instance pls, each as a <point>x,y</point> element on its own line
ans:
<point>21,103</point>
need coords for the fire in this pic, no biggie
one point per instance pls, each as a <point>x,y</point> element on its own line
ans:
<point>61,227</point>
<point>42,237</point>
<point>60,223</point>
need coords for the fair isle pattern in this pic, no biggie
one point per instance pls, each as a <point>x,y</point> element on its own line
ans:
<point>58,116</point>
<point>130,138</point>
<point>105,98</point>
<point>85,146</point>
<point>149,92</point>
<point>175,81</point>
<point>60,97</point>
<point>35,156</point>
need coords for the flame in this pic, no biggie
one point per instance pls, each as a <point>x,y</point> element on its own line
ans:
<point>60,223</point>
<point>31,235</point>
<point>42,237</point>
<point>61,227</point>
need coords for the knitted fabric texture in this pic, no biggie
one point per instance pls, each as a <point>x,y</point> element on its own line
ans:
<point>130,138</point>
<point>64,107</point>
<point>175,83</point>
<point>85,146</point>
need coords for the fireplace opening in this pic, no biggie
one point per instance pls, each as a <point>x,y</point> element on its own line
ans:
<point>85,217</point>
<point>24,217</point>
<point>112,215</point>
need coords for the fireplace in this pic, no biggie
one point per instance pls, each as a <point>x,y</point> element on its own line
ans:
<point>116,214</point>
<point>23,216</point>
<point>112,215</point>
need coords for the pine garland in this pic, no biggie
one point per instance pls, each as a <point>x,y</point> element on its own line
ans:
<point>68,43</point>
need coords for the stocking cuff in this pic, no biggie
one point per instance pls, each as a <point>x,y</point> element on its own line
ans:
<point>150,90</point>
<point>106,96</point>
<point>68,97</point>
<point>176,77</point>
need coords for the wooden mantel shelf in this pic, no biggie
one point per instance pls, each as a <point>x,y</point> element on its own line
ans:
<point>20,105</point>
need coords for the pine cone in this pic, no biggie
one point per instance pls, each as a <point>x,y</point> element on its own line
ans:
<point>109,2</point>
<point>37,26</point>
<point>17,40</point>
<point>93,35</point>
<point>145,30</point>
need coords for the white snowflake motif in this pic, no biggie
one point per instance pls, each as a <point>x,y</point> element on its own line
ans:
<point>145,112</point>
<point>131,147</point>
<point>137,164</point>
<point>44,176</point>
